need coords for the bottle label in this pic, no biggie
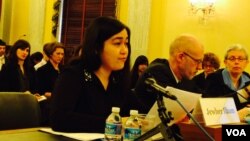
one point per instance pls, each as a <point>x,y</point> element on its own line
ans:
<point>113,129</point>
<point>132,133</point>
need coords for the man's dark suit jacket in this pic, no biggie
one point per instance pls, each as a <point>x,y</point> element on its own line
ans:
<point>159,70</point>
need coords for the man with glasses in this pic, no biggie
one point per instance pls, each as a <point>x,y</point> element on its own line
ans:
<point>227,81</point>
<point>185,60</point>
<point>186,55</point>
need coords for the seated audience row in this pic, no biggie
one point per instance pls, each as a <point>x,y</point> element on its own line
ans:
<point>83,93</point>
<point>19,75</point>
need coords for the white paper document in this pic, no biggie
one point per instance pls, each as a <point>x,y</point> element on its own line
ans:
<point>187,99</point>
<point>78,136</point>
<point>41,98</point>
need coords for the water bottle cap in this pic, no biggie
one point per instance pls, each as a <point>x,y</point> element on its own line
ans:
<point>133,112</point>
<point>116,109</point>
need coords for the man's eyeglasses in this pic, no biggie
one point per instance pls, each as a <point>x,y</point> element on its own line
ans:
<point>198,61</point>
<point>233,59</point>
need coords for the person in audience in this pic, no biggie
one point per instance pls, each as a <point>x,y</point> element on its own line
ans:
<point>47,76</point>
<point>210,64</point>
<point>186,55</point>
<point>3,58</point>
<point>17,75</point>
<point>141,63</point>
<point>35,58</point>
<point>48,73</point>
<point>45,56</point>
<point>87,90</point>
<point>227,81</point>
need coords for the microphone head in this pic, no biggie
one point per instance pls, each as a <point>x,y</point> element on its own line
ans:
<point>150,81</point>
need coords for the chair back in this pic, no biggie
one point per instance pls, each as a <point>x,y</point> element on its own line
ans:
<point>18,110</point>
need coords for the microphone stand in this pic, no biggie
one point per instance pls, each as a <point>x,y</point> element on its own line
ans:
<point>195,121</point>
<point>163,127</point>
<point>166,94</point>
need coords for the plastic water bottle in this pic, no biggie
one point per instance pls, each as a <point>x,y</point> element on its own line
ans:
<point>113,127</point>
<point>132,129</point>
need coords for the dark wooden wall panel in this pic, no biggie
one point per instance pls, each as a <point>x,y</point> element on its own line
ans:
<point>76,16</point>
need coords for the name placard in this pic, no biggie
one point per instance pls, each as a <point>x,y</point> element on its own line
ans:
<point>219,111</point>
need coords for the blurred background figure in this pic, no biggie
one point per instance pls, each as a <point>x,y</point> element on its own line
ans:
<point>47,76</point>
<point>48,73</point>
<point>140,65</point>
<point>3,58</point>
<point>17,75</point>
<point>35,58</point>
<point>210,64</point>
<point>45,56</point>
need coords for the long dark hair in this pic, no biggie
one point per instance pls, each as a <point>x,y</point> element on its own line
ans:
<point>98,31</point>
<point>19,44</point>
<point>140,60</point>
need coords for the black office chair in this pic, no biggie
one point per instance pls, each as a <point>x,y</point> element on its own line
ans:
<point>18,110</point>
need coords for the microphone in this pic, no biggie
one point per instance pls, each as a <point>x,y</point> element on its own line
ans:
<point>152,82</point>
<point>240,94</point>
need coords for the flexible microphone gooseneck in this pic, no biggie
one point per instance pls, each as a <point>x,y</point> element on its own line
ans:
<point>152,82</point>
<point>236,92</point>
<point>242,95</point>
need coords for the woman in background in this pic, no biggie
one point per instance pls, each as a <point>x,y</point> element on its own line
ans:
<point>227,81</point>
<point>47,76</point>
<point>48,73</point>
<point>18,75</point>
<point>141,63</point>
<point>210,64</point>
<point>87,90</point>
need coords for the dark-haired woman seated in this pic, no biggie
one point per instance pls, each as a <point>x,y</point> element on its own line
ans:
<point>87,90</point>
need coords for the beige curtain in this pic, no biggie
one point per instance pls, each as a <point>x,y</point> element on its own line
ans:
<point>139,23</point>
<point>36,24</point>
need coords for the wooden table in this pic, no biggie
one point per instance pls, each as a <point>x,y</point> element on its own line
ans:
<point>191,132</point>
<point>31,134</point>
